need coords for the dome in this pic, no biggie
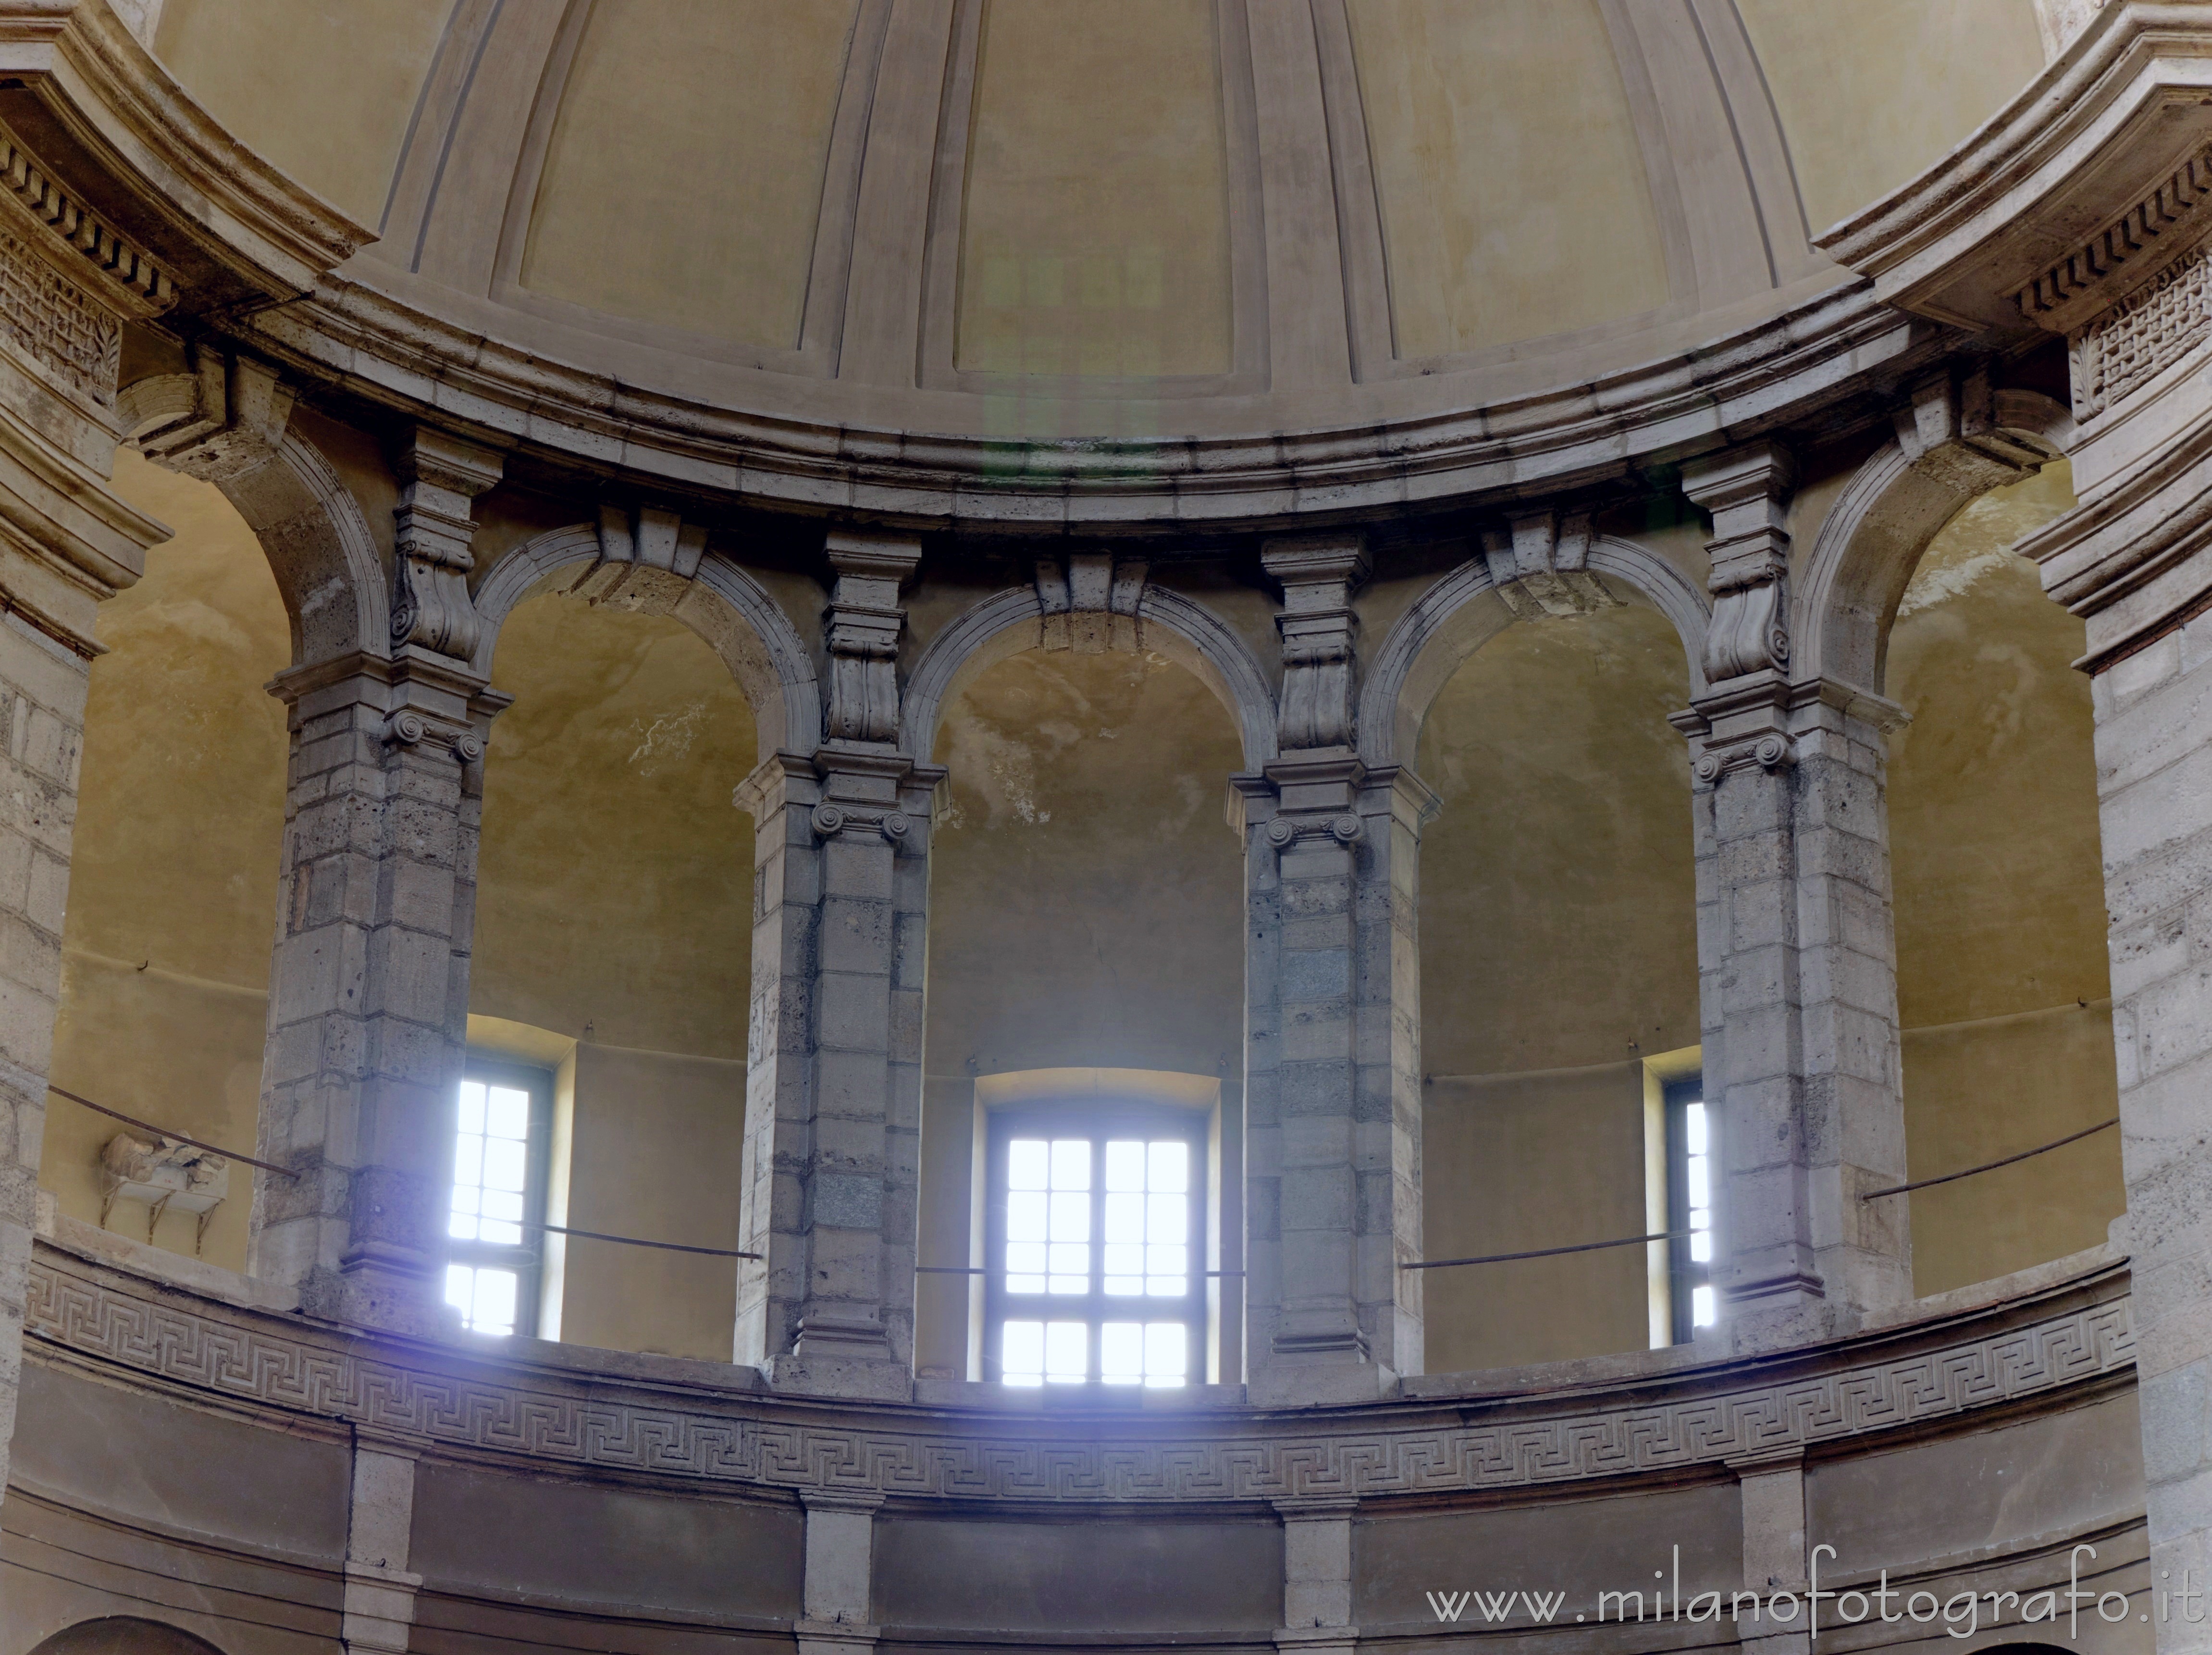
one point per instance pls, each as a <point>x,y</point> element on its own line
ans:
<point>1050,220</point>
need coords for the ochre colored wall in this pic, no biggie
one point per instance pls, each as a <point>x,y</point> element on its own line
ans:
<point>323,88</point>
<point>614,907</point>
<point>744,92</point>
<point>1511,185</point>
<point>1559,950</point>
<point>1086,908</point>
<point>2003,978</point>
<point>1872,91</point>
<point>1095,233</point>
<point>172,881</point>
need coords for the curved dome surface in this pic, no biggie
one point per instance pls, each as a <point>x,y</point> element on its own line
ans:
<point>1039,219</point>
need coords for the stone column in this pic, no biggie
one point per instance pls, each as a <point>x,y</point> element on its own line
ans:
<point>380,1591</point>
<point>837,1595</point>
<point>2132,559</point>
<point>368,993</point>
<point>1332,1124</point>
<point>66,543</point>
<point>833,1109</point>
<point>1774,1546</point>
<point>1796,957</point>
<point>1317,1576</point>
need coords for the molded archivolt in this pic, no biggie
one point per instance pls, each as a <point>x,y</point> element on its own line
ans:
<point>324,559</point>
<point>723,605</point>
<point>1462,612</point>
<point>1872,538</point>
<point>1006,622</point>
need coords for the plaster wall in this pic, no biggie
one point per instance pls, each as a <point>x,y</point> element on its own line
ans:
<point>1513,195</point>
<point>1558,949</point>
<point>173,887</point>
<point>2003,982</point>
<point>614,905</point>
<point>1871,93</point>
<point>322,87</point>
<point>1095,225</point>
<point>1086,909</point>
<point>746,91</point>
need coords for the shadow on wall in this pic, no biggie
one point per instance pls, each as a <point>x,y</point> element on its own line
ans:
<point>1086,909</point>
<point>1558,951</point>
<point>2002,976</point>
<point>124,1635</point>
<point>614,910</point>
<point>179,830</point>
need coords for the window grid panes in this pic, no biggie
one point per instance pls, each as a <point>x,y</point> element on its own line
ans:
<point>498,1125</point>
<point>1692,1178</point>
<point>1095,1278</point>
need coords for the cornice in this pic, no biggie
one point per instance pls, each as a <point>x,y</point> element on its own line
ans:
<point>2023,223</point>
<point>2053,1346</point>
<point>153,145</point>
<point>368,343</point>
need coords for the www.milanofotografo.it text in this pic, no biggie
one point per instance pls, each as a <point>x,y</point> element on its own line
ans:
<point>1960,1614</point>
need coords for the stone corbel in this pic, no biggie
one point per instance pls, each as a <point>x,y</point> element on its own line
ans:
<point>1747,490</point>
<point>440,476</point>
<point>1540,564</point>
<point>864,624</point>
<point>1952,430</point>
<point>223,420</point>
<point>1319,629</point>
<point>1088,602</point>
<point>643,552</point>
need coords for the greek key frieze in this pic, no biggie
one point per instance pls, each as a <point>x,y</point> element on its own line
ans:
<point>255,1362</point>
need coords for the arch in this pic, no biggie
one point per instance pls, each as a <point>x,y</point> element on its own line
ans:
<point>1004,623</point>
<point>1463,611</point>
<point>1874,535</point>
<point>334,582</point>
<point>746,627</point>
<point>124,1635</point>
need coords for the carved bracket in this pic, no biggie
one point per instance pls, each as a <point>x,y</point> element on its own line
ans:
<point>430,605</point>
<point>1950,431</point>
<point>223,420</point>
<point>1319,631</point>
<point>1747,490</point>
<point>642,549</point>
<point>1540,565</point>
<point>1089,602</point>
<point>864,623</point>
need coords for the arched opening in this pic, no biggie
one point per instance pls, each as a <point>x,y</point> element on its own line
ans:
<point>1085,912</point>
<point>124,1635</point>
<point>170,870</point>
<point>2004,982</point>
<point>613,954</point>
<point>1558,974</point>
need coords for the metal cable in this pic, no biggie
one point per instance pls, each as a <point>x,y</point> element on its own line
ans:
<point>1991,1166</point>
<point>164,1132</point>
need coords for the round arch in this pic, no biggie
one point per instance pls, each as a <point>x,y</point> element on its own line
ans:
<point>725,606</point>
<point>124,1635</point>
<point>1005,623</point>
<point>1464,609</point>
<point>1882,523</point>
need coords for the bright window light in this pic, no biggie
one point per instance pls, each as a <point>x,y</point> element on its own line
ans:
<point>491,1164</point>
<point>1701,1307</point>
<point>485,1298</point>
<point>1067,1353</point>
<point>1154,1353</point>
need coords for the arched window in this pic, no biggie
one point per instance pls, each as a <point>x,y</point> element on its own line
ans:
<point>124,1635</point>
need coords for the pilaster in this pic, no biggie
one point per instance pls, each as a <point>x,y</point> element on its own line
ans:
<point>1317,1577</point>
<point>66,544</point>
<point>833,1112</point>
<point>369,988</point>
<point>1333,1063</point>
<point>379,1591</point>
<point>1796,955</point>
<point>837,1593</point>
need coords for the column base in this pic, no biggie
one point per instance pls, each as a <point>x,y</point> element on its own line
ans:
<point>836,1357</point>
<point>834,1637</point>
<point>1317,1640</point>
<point>1291,1384</point>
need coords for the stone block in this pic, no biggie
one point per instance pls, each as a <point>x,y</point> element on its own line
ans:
<point>853,1011</point>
